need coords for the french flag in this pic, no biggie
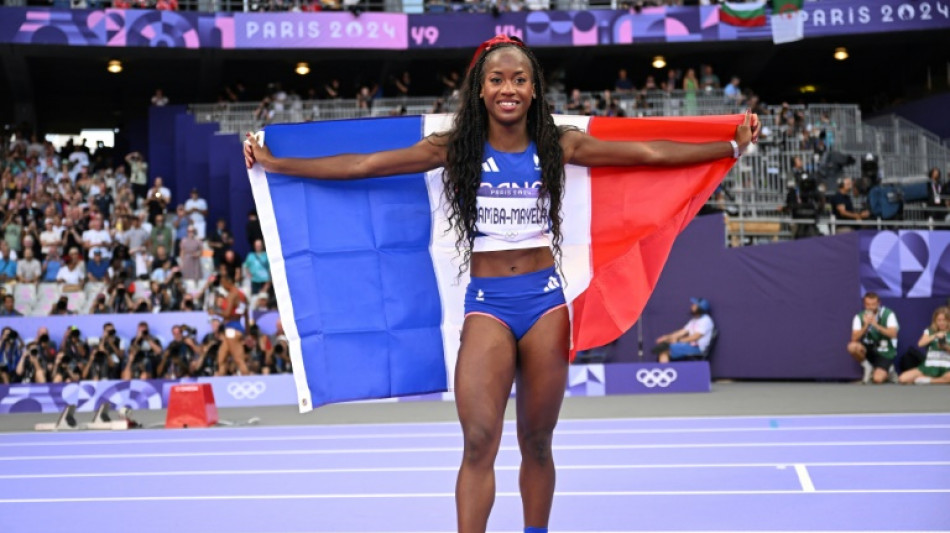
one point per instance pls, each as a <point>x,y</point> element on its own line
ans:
<point>367,275</point>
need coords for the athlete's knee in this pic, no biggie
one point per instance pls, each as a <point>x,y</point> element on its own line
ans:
<point>481,444</point>
<point>536,445</point>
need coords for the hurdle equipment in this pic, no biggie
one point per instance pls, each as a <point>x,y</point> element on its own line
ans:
<point>102,420</point>
<point>191,406</point>
<point>66,421</point>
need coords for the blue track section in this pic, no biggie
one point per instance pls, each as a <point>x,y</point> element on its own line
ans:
<point>828,473</point>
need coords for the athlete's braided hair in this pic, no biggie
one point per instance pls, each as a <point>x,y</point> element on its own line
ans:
<point>466,145</point>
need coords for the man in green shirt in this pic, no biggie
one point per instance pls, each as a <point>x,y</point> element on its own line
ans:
<point>874,339</point>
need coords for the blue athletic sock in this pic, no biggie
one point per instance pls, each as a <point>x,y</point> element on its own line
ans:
<point>535,530</point>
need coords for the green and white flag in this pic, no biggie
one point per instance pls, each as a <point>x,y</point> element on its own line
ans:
<point>788,21</point>
<point>748,14</point>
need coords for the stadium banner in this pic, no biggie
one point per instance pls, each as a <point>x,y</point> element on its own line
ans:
<point>906,263</point>
<point>462,30</point>
<point>398,31</point>
<point>279,389</point>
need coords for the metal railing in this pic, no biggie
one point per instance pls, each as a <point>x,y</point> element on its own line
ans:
<point>755,190</point>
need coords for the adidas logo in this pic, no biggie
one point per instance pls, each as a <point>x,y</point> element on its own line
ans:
<point>480,297</point>
<point>553,283</point>
<point>490,166</point>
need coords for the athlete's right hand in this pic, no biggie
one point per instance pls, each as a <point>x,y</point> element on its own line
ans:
<point>255,152</point>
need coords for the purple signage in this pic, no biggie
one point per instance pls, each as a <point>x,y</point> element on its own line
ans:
<point>377,31</point>
<point>906,264</point>
<point>397,31</point>
<point>462,30</point>
<point>651,378</point>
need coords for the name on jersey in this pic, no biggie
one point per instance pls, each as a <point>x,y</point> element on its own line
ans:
<point>512,216</point>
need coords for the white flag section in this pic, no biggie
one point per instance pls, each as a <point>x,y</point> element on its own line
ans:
<point>788,27</point>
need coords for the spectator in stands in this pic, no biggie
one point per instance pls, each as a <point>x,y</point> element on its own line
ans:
<point>403,85</point>
<point>97,268</point>
<point>72,274</point>
<point>874,339</point>
<point>9,308</point>
<point>159,99</point>
<point>826,130</point>
<point>231,265</point>
<point>709,81</point>
<point>258,268</point>
<point>51,237</point>
<point>161,236</point>
<point>7,263</point>
<point>197,209</point>
<point>690,342</point>
<point>332,90</point>
<point>28,269</point>
<point>136,240</point>
<point>842,206</point>
<point>144,351</point>
<point>157,200</point>
<point>623,85</point>
<point>936,366</point>
<point>189,255</point>
<point>690,86</point>
<point>72,233</point>
<point>99,305</point>
<point>220,241</point>
<point>575,103</point>
<point>97,239</point>
<point>649,86</point>
<point>938,196</point>
<point>138,174</point>
<point>51,266</point>
<point>732,91</point>
<point>13,230</point>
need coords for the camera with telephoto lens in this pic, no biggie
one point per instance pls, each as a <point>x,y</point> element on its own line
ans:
<point>187,330</point>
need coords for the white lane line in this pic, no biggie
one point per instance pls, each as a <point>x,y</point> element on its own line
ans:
<point>407,495</point>
<point>457,449</point>
<point>564,421</point>
<point>451,468</point>
<point>458,434</point>
<point>804,478</point>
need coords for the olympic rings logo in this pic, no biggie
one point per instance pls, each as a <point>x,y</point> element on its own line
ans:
<point>656,377</point>
<point>246,390</point>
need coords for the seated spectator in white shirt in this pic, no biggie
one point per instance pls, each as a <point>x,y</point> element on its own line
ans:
<point>51,237</point>
<point>97,238</point>
<point>690,342</point>
<point>197,209</point>
<point>73,272</point>
<point>28,269</point>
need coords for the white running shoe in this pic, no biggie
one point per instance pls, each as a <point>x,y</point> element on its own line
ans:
<point>868,372</point>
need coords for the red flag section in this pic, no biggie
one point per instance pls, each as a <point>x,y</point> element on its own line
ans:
<point>637,212</point>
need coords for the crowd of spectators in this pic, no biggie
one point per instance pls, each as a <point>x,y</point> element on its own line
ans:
<point>84,232</point>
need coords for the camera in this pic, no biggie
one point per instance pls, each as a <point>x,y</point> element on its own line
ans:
<point>188,331</point>
<point>279,349</point>
<point>44,338</point>
<point>34,351</point>
<point>74,332</point>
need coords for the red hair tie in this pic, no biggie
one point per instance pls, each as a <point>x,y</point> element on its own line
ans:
<point>486,46</point>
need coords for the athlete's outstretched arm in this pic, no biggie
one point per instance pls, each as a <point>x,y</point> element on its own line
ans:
<point>427,154</point>
<point>585,150</point>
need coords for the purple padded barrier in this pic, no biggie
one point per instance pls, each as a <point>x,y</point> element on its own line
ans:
<point>783,310</point>
<point>651,378</point>
<point>220,160</point>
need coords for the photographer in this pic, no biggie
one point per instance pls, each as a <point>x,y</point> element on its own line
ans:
<point>174,288</point>
<point>11,351</point>
<point>72,357</point>
<point>282,362</point>
<point>107,356</point>
<point>259,352</point>
<point>120,301</point>
<point>143,354</point>
<point>805,203</point>
<point>32,366</point>
<point>177,357</point>
<point>936,365</point>
<point>874,339</point>
<point>204,363</point>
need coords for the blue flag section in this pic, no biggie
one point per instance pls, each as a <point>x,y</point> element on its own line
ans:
<point>352,269</point>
